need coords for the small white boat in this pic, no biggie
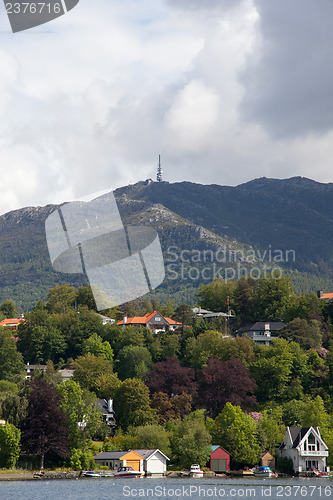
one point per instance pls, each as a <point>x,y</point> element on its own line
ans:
<point>263,471</point>
<point>91,473</point>
<point>195,471</point>
<point>127,472</point>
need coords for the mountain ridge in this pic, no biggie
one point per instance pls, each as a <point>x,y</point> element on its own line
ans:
<point>276,214</point>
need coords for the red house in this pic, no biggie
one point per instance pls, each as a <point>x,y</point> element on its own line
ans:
<point>219,459</point>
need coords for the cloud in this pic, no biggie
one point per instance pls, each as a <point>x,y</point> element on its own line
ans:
<point>288,82</point>
<point>90,102</point>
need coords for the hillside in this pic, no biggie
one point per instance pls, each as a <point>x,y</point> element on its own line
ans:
<point>266,216</point>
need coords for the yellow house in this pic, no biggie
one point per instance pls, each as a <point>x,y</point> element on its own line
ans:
<point>116,459</point>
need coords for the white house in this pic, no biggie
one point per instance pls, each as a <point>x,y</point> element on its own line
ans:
<point>305,447</point>
<point>154,462</point>
<point>261,333</point>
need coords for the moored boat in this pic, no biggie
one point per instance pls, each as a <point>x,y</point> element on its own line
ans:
<point>127,472</point>
<point>195,471</point>
<point>262,471</point>
<point>91,473</point>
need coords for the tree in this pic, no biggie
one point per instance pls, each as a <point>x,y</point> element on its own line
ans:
<point>8,309</point>
<point>272,298</point>
<point>214,296</point>
<point>132,406</point>
<point>221,382</point>
<point>44,428</point>
<point>272,370</point>
<point>152,437</point>
<point>61,298</point>
<point>190,440</point>
<point>306,333</point>
<point>10,445</point>
<point>133,361</point>
<point>83,416</point>
<point>11,361</point>
<point>88,369</point>
<point>171,378</point>
<point>236,431</point>
<point>171,408</point>
<point>95,345</point>
<point>271,430</point>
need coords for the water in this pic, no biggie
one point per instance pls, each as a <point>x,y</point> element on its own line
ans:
<point>167,489</point>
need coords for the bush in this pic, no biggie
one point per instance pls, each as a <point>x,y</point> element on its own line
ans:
<point>285,465</point>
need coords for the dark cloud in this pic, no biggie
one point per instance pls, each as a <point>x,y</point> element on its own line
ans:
<point>288,85</point>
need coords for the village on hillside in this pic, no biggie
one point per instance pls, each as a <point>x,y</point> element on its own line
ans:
<point>239,384</point>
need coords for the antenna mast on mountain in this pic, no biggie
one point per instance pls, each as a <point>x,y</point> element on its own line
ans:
<point>159,170</point>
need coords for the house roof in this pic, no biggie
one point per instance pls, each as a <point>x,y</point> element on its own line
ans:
<point>110,455</point>
<point>143,320</point>
<point>274,326</point>
<point>215,447</point>
<point>146,454</point>
<point>327,296</point>
<point>11,321</point>
<point>297,434</point>
<point>103,407</point>
<point>117,455</point>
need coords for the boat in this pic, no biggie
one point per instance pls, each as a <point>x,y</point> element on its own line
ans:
<point>127,472</point>
<point>262,471</point>
<point>91,473</point>
<point>195,471</point>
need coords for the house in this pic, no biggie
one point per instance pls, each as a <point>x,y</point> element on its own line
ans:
<point>31,368</point>
<point>12,323</point>
<point>154,462</point>
<point>267,460</point>
<point>116,459</point>
<point>106,408</point>
<point>66,374</point>
<point>106,320</point>
<point>203,313</point>
<point>322,295</point>
<point>261,333</point>
<point>305,447</point>
<point>219,459</point>
<point>154,321</point>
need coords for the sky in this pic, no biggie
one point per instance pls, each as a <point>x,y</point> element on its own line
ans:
<point>225,90</point>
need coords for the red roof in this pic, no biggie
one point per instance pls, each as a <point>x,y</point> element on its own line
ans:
<point>327,296</point>
<point>11,321</point>
<point>143,320</point>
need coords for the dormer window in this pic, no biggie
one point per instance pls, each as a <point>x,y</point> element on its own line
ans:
<point>311,442</point>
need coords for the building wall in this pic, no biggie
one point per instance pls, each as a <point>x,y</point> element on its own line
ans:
<point>220,454</point>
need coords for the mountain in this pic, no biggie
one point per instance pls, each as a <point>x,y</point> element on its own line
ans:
<point>285,223</point>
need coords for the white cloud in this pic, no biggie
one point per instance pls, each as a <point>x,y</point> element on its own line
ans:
<point>89,100</point>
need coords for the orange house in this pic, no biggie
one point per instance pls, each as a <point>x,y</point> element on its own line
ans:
<point>116,459</point>
<point>11,323</point>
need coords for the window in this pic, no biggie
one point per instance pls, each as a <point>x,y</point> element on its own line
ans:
<point>312,443</point>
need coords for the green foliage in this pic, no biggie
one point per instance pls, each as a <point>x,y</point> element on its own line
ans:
<point>190,440</point>
<point>133,361</point>
<point>95,345</point>
<point>8,309</point>
<point>10,445</point>
<point>89,368</point>
<point>132,404</point>
<point>11,361</point>
<point>81,459</point>
<point>271,430</point>
<point>237,433</point>
<point>306,333</point>
<point>151,437</point>
<point>285,465</point>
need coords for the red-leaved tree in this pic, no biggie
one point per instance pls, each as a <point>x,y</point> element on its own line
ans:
<point>221,382</point>
<point>44,427</point>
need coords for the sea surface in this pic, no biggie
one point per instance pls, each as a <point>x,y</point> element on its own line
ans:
<point>167,488</point>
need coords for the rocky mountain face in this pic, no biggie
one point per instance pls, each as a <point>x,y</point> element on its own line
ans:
<point>286,222</point>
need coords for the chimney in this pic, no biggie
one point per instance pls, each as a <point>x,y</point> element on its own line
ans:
<point>110,405</point>
<point>124,321</point>
<point>320,294</point>
<point>266,326</point>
